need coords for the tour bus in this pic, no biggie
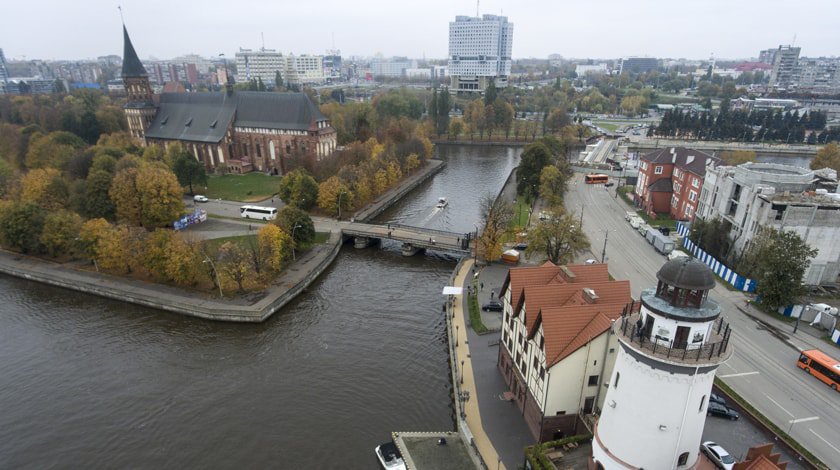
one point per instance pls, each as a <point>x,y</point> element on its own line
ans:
<point>258,212</point>
<point>596,179</point>
<point>821,366</point>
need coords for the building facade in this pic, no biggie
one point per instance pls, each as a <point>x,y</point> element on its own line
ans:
<point>480,50</point>
<point>227,131</point>
<point>4,74</point>
<point>754,196</point>
<point>638,65</point>
<point>785,67</point>
<point>556,347</point>
<point>670,181</point>
<point>259,65</point>
<point>660,386</point>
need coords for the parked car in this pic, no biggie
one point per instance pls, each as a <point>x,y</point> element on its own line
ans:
<point>200,198</point>
<point>492,306</point>
<point>520,246</point>
<point>608,184</point>
<point>715,398</point>
<point>718,455</point>
<point>723,411</point>
<point>591,261</point>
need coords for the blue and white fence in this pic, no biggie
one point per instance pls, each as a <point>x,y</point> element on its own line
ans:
<point>835,336</point>
<point>739,282</point>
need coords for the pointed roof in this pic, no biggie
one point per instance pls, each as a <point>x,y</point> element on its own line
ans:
<point>132,67</point>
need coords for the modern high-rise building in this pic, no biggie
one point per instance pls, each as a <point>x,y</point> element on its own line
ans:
<point>638,64</point>
<point>785,66</point>
<point>661,384</point>
<point>262,64</point>
<point>767,56</point>
<point>4,75</point>
<point>479,51</point>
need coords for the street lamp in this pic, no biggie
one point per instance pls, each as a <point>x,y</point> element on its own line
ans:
<point>297,226</point>
<point>215,274</point>
<point>604,251</point>
<point>339,204</point>
<point>475,259</point>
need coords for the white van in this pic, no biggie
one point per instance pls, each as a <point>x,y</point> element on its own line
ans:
<point>636,222</point>
<point>258,212</point>
<point>676,254</point>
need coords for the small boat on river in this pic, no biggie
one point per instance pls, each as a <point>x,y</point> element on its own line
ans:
<point>442,202</point>
<point>389,456</point>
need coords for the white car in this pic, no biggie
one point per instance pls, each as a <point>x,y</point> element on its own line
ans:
<point>718,455</point>
<point>200,198</point>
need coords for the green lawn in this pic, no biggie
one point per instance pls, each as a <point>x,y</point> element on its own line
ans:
<point>249,187</point>
<point>213,244</point>
<point>610,126</point>
<point>520,212</point>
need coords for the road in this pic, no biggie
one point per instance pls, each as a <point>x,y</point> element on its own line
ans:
<point>762,368</point>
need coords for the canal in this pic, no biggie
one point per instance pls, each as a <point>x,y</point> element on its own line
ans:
<point>88,382</point>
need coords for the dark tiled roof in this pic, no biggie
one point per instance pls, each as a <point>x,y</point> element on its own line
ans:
<point>204,117</point>
<point>685,159</point>
<point>132,67</point>
<point>663,185</point>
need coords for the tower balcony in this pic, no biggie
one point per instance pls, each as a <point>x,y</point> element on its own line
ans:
<point>714,349</point>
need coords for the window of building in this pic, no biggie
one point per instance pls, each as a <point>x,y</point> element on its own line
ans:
<point>535,363</point>
<point>695,182</point>
<point>702,402</point>
<point>692,196</point>
<point>542,373</point>
<point>657,170</point>
<point>617,377</point>
<point>683,459</point>
<point>542,342</point>
<point>593,380</point>
<point>560,413</point>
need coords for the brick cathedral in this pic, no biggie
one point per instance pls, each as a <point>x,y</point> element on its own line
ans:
<point>234,131</point>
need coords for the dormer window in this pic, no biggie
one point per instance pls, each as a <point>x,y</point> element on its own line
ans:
<point>189,121</point>
<point>213,124</point>
<point>164,120</point>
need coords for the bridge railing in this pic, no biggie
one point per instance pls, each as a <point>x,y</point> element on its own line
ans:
<point>428,230</point>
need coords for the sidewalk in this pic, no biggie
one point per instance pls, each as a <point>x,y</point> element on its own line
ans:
<point>806,336</point>
<point>498,428</point>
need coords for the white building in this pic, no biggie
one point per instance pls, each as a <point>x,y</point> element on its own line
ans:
<point>479,50</point>
<point>418,74</point>
<point>785,67</point>
<point>556,347</point>
<point>262,64</point>
<point>753,196</point>
<point>394,67</point>
<point>659,389</point>
<point>304,69</point>
<point>597,69</point>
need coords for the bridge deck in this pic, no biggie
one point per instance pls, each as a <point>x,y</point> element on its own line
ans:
<point>417,236</point>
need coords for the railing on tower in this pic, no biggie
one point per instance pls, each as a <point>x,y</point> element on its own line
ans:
<point>716,345</point>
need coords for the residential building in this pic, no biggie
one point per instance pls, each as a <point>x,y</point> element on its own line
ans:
<point>660,386</point>
<point>332,64</point>
<point>754,196</point>
<point>768,56</point>
<point>418,74</point>
<point>785,63</point>
<point>394,67</point>
<point>4,74</point>
<point>34,86</point>
<point>480,50</point>
<point>670,181</point>
<point>638,65</point>
<point>227,131</point>
<point>259,65</point>
<point>556,346</point>
<point>820,75</point>
<point>304,69</point>
<point>584,70</point>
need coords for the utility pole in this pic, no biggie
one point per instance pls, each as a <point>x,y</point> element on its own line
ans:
<point>581,216</point>
<point>604,251</point>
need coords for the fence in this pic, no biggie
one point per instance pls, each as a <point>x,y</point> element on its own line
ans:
<point>738,281</point>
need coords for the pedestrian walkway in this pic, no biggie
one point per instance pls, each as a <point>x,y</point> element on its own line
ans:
<point>497,426</point>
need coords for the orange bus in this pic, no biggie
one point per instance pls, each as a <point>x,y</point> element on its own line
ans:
<point>596,179</point>
<point>821,366</point>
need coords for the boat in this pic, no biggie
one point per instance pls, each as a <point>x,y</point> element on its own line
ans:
<point>389,456</point>
<point>442,202</point>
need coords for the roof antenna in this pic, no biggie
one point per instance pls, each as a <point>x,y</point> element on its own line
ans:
<point>476,8</point>
<point>794,39</point>
<point>262,35</point>
<point>119,7</point>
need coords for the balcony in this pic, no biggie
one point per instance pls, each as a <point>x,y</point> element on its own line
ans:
<point>713,351</point>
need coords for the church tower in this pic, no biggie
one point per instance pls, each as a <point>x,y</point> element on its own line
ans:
<point>139,109</point>
<point>655,409</point>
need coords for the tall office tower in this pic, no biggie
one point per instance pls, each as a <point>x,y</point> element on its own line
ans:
<point>262,64</point>
<point>659,391</point>
<point>479,51</point>
<point>4,75</point>
<point>785,67</point>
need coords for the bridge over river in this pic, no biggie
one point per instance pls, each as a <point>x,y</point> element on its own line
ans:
<point>414,239</point>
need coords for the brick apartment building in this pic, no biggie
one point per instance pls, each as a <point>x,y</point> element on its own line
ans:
<point>670,181</point>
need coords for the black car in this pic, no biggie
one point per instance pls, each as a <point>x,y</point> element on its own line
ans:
<point>714,398</point>
<point>520,246</point>
<point>608,184</point>
<point>492,306</point>
<point>723,411</point>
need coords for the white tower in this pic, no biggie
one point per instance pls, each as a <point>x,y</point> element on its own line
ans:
<point>655,408</point>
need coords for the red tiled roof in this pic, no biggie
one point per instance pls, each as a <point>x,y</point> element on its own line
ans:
<point>537,298</point>
<point>567,329</point>
<point>549,273</point>
<point>690,160</point>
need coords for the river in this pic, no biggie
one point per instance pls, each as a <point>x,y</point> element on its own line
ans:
<point>89,382</point>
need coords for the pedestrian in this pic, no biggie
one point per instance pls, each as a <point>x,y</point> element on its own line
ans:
<point>389,234</point>
<point>482,285</point>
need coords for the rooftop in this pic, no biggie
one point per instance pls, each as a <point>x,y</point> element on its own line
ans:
<point>421,451</point>
<point>691,160</point>
<point>709,309</point>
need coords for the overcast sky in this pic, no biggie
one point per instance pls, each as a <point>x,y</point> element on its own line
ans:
<point>54,29</point>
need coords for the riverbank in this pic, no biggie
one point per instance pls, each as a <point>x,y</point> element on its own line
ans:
<point>484,143</point>
<point>294,280</point>
<point>408,184</point>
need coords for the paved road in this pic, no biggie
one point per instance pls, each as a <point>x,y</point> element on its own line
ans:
<point>762,368</point>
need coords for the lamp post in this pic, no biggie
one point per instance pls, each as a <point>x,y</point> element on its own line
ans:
<point>462,372</point>
<point>475,259</point>
<point>297,226</point>
<point>339,204</point>
<point>215,273</point>
<point>604,251</point>
<point>581,216</point>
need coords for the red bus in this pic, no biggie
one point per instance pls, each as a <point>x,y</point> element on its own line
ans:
<point>821,366</point>
<point>596,179</point>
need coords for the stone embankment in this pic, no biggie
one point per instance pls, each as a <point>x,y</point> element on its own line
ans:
<point>286,287</point>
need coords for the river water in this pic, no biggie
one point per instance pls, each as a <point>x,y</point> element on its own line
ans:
<point>89,382</point>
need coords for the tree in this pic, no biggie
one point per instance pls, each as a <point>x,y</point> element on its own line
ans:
<point>534,158</point>
<point>53,150</point>
<point>737,157</point>
<point>332,192</point>
<point>234,265</point>
<point>557,120</point>
<point>444,104</point>
<point>503,115</point>
<point>298,188</point>
<point>168,256</point>
<point>290,217</point>
<point>274,247</point>
<point>490,93</point>
<point>456,128</point>
<point>61,229</point>
<point>21,226</point>
<point>710,235</point>
<point>559,237</point>
<point>552,185</point>
<point>189,171</point>
<point>474,117</point>
<point>496,215</point>
<point>777,260</point>
<point>45,187</point>
<point>7,177</point>
<point>95,201</point>
<point>149,196</point>
<point>633,105</point>
<point>828,156</point>
<point>90,233</point>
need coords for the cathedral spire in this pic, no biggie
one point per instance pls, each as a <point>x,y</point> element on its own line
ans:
<point>132,67</point>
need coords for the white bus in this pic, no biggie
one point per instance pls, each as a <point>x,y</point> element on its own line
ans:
<point>258,212</point>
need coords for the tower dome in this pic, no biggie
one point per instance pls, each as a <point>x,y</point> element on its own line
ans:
<point>686,273</point>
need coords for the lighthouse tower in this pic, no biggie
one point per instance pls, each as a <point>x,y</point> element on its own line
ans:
<point>655,408</point>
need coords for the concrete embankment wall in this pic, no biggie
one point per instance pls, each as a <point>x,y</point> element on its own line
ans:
<point>164,297</point>
<point>480,143</point>
<point>431,168</point>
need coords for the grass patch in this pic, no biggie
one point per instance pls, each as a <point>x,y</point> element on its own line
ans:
<point>660,221</point>
<point>475,314</point>
<point>610,126</point>
<point>789,440</point>
<point>625,192</point>
<point>520,212</point>
<point>213,244</point>
<point>321,238</point>
<point>249,187</point>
